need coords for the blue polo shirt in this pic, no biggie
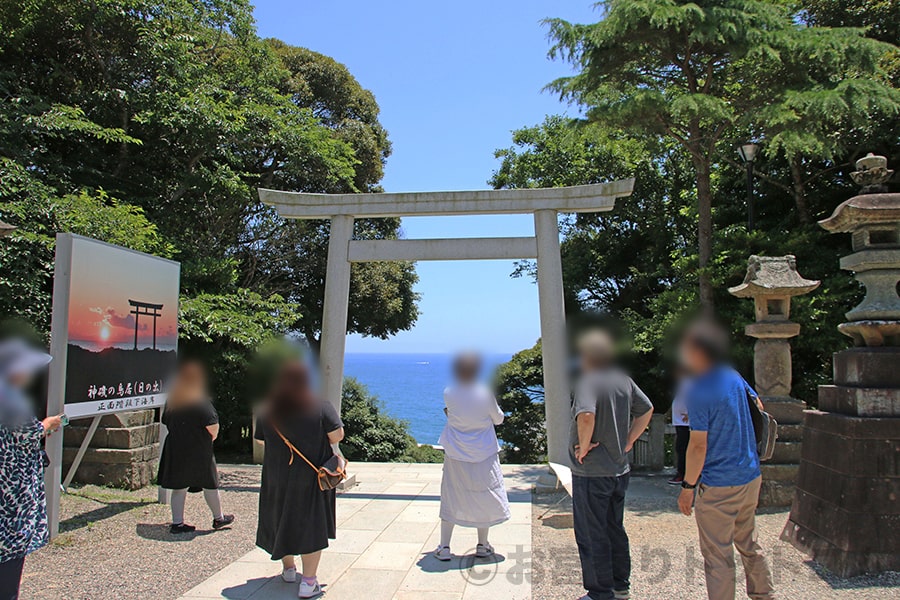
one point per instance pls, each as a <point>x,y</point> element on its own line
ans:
<point>717,404</point>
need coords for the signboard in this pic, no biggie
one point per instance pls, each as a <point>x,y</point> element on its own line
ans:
<point>115,327</point>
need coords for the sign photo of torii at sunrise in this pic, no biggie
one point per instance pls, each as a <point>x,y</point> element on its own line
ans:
<point>106,359</point>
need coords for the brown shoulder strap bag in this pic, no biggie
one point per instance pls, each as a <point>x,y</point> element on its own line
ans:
<point>330,475</point>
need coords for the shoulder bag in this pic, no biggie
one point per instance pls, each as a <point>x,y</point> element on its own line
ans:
<point>329,475</point>
<point>765,427</point>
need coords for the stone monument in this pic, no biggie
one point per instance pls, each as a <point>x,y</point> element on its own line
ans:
<point>123,453</point>
<point>846,511</point>
<point>772,282</point>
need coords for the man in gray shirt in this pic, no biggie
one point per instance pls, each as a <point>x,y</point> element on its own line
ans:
<point>609,414</point>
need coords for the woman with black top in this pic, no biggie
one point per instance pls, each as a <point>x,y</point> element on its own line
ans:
<point>187,463</point>
<point>295,516</point>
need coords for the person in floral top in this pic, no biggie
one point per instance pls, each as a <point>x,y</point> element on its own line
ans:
<point>23,506</point>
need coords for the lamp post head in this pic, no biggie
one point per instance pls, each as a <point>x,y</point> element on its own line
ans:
<point>6,229</point>
<point>748,152</point>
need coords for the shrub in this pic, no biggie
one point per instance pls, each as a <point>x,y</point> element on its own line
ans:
<point>371,435</point>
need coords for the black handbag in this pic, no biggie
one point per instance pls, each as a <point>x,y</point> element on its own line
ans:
<point>765,427</point>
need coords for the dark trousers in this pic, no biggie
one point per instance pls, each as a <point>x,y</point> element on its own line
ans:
<point>682,439</point>
<point>10,577</point>
<point>598,506</point>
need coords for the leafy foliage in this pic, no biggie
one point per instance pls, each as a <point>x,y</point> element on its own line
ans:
<point>26,257</point>
<point>152,123</point>
<point>706,74</point>
<point>290,260</point>
<point>612,260</point>
<point>373,436</point>
<point>638,264</point>
<point>520,394</point>
<point>243,319</point>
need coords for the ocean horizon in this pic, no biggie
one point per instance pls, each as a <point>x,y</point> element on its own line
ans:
<point>410,386</point>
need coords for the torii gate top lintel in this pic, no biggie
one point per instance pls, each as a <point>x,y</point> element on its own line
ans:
<point>582,198</point>
<point>544,203</point>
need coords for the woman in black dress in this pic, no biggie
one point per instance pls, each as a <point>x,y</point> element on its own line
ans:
<point>187,463</point>
<point>295,516</point>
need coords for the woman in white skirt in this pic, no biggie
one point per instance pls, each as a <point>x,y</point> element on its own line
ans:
<point>472,490</point>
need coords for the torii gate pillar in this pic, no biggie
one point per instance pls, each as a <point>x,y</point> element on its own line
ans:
<point>334,310</point>
<point>557,405</point>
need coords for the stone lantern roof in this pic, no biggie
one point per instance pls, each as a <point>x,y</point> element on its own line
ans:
<point>860,211</point>
<point>873,217</point>
<point>873,221</point>
<point>773,276</point>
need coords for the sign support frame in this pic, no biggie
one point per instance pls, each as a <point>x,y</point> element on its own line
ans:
<point>57,383</point>
<point>85,443</point>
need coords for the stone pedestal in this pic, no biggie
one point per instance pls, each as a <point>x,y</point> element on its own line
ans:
<point>781,471</point>
<point>846,511</point>
<point>123,453</point>
<point>772,282</point>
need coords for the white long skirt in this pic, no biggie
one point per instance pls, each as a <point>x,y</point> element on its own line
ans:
<point>473,494</point>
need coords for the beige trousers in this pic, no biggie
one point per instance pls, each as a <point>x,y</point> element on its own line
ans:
<point>726,518</point>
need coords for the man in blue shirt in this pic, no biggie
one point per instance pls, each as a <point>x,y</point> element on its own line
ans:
<point>722,466</point>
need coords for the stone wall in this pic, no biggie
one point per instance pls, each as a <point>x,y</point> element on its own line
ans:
<point>123,453</point>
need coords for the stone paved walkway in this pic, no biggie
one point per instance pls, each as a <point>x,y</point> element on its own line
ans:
<point>387,527</point>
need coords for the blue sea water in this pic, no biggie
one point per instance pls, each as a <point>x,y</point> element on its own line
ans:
<point>411,386</point>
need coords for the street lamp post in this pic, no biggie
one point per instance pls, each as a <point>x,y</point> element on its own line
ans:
<point>748,154</point>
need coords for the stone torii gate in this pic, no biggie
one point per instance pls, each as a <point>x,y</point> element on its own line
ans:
<point>145,309</point>
<point>544,204</point>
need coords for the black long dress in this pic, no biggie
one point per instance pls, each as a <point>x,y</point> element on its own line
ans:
<point>295,516</point>
<point>187,459</point>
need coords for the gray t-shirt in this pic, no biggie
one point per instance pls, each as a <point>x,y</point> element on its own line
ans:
<point>615,400</point>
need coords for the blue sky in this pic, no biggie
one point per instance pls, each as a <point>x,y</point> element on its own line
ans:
<point>453,80</point>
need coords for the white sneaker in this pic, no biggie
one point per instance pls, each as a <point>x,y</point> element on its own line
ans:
<point>443,553</point>
<point>484,550</point>
<point>309,590</point>
<point>289,575</point>
<point>623,594</point>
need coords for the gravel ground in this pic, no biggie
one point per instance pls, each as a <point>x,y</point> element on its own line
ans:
<point>666,561</point>
<point>115,544</point>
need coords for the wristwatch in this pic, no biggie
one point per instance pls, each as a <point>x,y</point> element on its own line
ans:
<point>688,486</point>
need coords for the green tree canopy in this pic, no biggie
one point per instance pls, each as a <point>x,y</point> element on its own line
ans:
<point>702,73</point>
<point>632,265</point>
<point>26,257</point>
<point>152,123</point>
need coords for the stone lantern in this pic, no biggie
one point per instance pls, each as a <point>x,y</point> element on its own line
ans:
<point>772,282</point>
<point>873,220</point>
<point>846,513</point>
